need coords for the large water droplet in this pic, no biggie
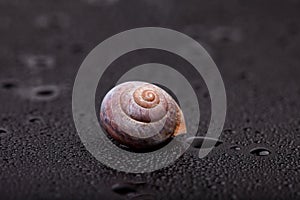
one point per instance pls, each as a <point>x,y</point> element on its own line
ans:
<point>260,151</point>
<point>42,93</point>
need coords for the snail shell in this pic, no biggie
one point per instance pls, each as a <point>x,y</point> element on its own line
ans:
<point>141,115</point>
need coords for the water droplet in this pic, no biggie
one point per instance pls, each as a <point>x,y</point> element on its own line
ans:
<point>8,85</point>
<point>34,119</point>
<point>40,93</point>
<point>54,21</point>
<point>229,131</point>
<point>123,188</point>
<point>3,132</point>
<point>213,187</point>
<point>235,147</point>
<point>47,92</point>
<point>247,129</point>
<point>260,151</point>
<point>197,141</point>
<point>44,92</point>
<point>38,61</point>
<point>5,119</point>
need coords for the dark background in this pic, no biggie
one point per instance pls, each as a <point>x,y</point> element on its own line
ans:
<point>254,43</point>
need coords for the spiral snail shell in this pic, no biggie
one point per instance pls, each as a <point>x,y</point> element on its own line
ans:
<point>141,115</point>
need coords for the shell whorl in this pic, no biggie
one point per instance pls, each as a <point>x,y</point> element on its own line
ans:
<point>140,115</point>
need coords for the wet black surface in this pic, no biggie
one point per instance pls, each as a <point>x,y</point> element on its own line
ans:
<point>255,44</point>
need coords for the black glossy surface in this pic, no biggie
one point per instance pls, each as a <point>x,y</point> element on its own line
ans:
<point>255,44</point>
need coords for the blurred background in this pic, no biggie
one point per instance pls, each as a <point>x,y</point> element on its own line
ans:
<point>255,45</point>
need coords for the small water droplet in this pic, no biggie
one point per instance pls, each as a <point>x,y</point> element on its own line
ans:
<point>247,129</point>
<point>5,119</point>
<point>213,187</point>
<point>3,132</point>
<point>229,131</point>
<point>38,61</point>
<point>34,119</point>
<point>235,147</point>
<point>197,141</point>
<point>8,85</point>
<point>55,21</point>
<point>260,151</point>
<point>123,188</point>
